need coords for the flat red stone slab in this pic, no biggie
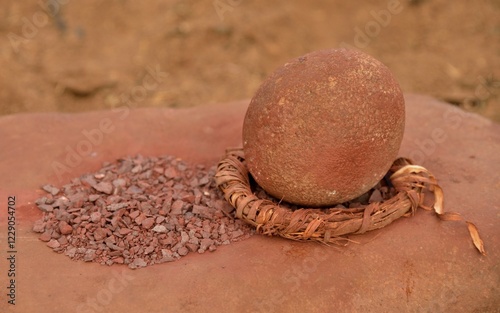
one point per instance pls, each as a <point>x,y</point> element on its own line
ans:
<point>417,264</point>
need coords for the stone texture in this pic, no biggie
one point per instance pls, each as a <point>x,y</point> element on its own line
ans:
<point>324,128</point>
<point>64,228</point>
<point>416,264</point>
<point>104,187</point>
<point>123,224</point>
<point>39,226</point>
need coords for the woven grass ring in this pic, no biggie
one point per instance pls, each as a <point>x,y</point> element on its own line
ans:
<point>331,224</point>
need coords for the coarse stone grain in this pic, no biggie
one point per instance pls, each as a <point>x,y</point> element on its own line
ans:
<point>65,228</point>
<point>53,243</point>
<point>159,229</point>
<point>148,223</point>
<point>39,226</point>
<point>183,251</point>
<point>176,207</point>
<point>105,187</point>
<point>89,255</point>
<point>50,189</point>
<point>93,198</point>
<point>138,211</point>
<point>45,207</point>
<point>95,217</point>
<point>324,128</point>
<point>46,236</point>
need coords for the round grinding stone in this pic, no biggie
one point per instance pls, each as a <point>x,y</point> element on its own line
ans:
<point>324,128</point>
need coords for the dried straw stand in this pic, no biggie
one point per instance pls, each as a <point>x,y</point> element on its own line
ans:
<point>330,225</point>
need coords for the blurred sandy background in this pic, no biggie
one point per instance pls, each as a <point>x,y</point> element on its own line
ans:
<point>72,56</point>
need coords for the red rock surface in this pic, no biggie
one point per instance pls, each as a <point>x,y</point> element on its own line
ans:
<point>417,264</point>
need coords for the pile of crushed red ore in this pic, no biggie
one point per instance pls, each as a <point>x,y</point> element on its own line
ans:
<point>138,211</point>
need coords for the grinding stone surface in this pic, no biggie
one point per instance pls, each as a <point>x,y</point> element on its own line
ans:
<point>324,128</point>
<point>417,264</point>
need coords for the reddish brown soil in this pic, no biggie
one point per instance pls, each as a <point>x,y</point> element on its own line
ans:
<point>97,54</point>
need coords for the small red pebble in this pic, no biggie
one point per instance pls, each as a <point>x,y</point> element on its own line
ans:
<point>39,226</point>
<point>99,234</point>
<point>118,260</point>
<point>65,228</point>
<point>105,187</point>
<point>53,244</point>
<point>134,214</point>
<point>183,251</point>
<point>95,217</point>
<point>46,236</point>
<point>170,172</point>
<point>148,222</point>
<point>124,231</point>
<point>177,207</point>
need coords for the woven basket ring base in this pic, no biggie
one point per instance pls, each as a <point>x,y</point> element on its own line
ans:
<point>331,225</point>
